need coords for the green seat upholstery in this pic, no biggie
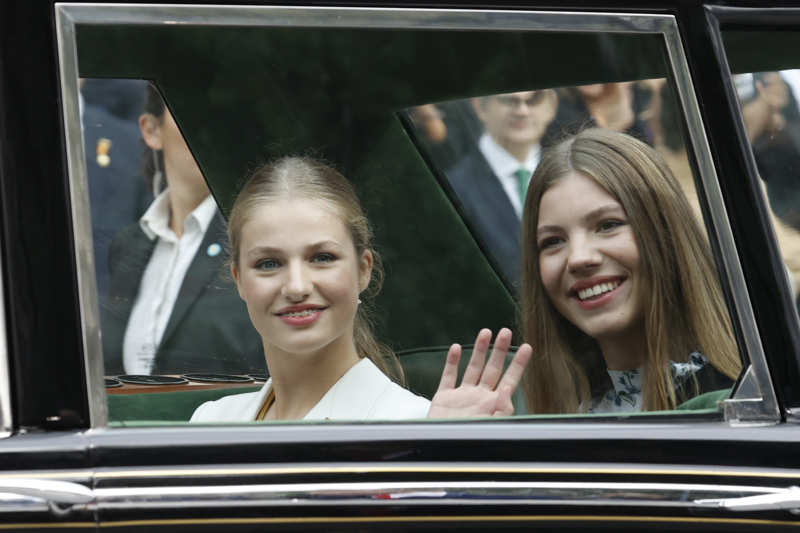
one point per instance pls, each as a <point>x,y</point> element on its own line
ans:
<point>163,406</point>
<point>422,366</point>
<point>708,400</point>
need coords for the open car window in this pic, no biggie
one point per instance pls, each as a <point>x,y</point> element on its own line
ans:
<point>397,103</point>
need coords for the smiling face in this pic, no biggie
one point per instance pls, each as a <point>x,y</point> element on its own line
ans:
<point>300,275</point>
<point>589,260</point>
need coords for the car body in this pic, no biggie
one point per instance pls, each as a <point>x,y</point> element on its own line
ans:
<point>68,464</point>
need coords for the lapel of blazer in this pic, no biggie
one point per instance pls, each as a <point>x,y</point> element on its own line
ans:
<point>495,198</point>
<point>201,273</point>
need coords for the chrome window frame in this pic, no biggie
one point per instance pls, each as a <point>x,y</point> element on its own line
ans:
<point>754,401</point>
<point>6,416</point>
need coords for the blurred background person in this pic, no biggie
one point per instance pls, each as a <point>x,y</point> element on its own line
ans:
<point>772,122</point>
<point>169,310</point>
<point>117,194</point>
<point>491,180</point>
<point>615,106</point>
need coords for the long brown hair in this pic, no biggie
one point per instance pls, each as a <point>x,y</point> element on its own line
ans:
<point>309,178</point>
<point>684,310</point>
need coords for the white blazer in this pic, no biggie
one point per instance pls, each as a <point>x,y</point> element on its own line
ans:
<point>363,393</point>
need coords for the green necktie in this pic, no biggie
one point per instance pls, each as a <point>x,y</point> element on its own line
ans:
<point>523,178</point>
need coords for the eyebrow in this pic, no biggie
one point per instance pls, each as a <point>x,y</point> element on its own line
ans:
<point>270,250</point>
<point>594,213</point>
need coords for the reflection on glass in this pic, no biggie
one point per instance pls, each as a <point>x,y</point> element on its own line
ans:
<point>769,102</point>
<point>488,147</point>
<point>159,242</point>
<point>334,93</point>
<point>595,241</point>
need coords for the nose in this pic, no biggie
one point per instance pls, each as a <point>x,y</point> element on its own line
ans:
<point>583,255</point>
<point>522,107</point>
<point>297,285</point>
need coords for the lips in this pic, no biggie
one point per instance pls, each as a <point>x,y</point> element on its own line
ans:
<point>300,310</point>
<point>300,315</point>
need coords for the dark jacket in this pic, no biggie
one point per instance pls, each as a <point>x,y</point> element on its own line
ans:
<point>209,329</point>
<point>489,212</point>
<point>117,194</point>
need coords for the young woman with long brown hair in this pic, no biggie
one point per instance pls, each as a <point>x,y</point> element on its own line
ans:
<point>620,297</point>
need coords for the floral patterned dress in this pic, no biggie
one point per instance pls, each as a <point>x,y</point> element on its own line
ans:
<point>626,396</point>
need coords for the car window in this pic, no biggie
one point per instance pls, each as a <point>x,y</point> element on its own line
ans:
<point>764,83</point>
<point>173,126</point>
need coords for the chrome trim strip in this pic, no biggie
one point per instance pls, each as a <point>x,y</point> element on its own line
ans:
<point>81,219</point>
<point>767,410</point>
<point>15,503</point>
<point>6,417</point>
<point>357,17</point>
<point>420,494</point>
<point>209,472</point>
<point>68,15</point>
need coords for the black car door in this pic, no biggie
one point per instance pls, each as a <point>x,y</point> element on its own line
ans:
<point>248,83</point>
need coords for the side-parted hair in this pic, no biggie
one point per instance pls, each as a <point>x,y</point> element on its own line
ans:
<point>682,301</point>
<point>305,177</point>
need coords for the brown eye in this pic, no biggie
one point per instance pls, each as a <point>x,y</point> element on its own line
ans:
<point>609,225</point>
<point>549,242</point>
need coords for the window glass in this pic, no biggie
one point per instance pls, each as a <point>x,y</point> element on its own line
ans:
<point>767,80</point>
<point>398,113</point>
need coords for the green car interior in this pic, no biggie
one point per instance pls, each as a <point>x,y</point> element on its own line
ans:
<point>244,95</point>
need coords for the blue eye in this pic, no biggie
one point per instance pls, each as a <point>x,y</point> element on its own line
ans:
<point>268,264</point>
<point>323,257</point>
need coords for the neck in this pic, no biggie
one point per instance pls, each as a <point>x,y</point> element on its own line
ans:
<point>624,352</point>
<point>183,200</point>
<point>519,152</point>
<point>301,380</point>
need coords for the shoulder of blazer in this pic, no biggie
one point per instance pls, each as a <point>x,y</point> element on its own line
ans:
<point>130,243</point>
<point>468,169</point>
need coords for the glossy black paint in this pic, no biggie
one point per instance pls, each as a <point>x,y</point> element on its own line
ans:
<point>45,337</point>
<point>667,443</point>
<point>40,277</point>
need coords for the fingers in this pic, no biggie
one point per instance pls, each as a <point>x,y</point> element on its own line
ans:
<point>450,371</point>
<point>494,367</point>
<point>475,367</point>
<point>516,369</point>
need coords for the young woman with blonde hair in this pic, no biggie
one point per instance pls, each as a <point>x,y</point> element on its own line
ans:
<point>620,297</point>
<point>302,260</point>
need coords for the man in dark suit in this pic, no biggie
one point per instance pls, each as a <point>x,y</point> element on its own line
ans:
<point>169,310</point>
<point>208,329</point>
<point>490,182</point>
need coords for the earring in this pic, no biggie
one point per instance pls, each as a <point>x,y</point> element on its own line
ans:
<point>358,301</point>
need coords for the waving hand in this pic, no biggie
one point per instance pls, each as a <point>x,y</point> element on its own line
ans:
<point>484,389</point>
